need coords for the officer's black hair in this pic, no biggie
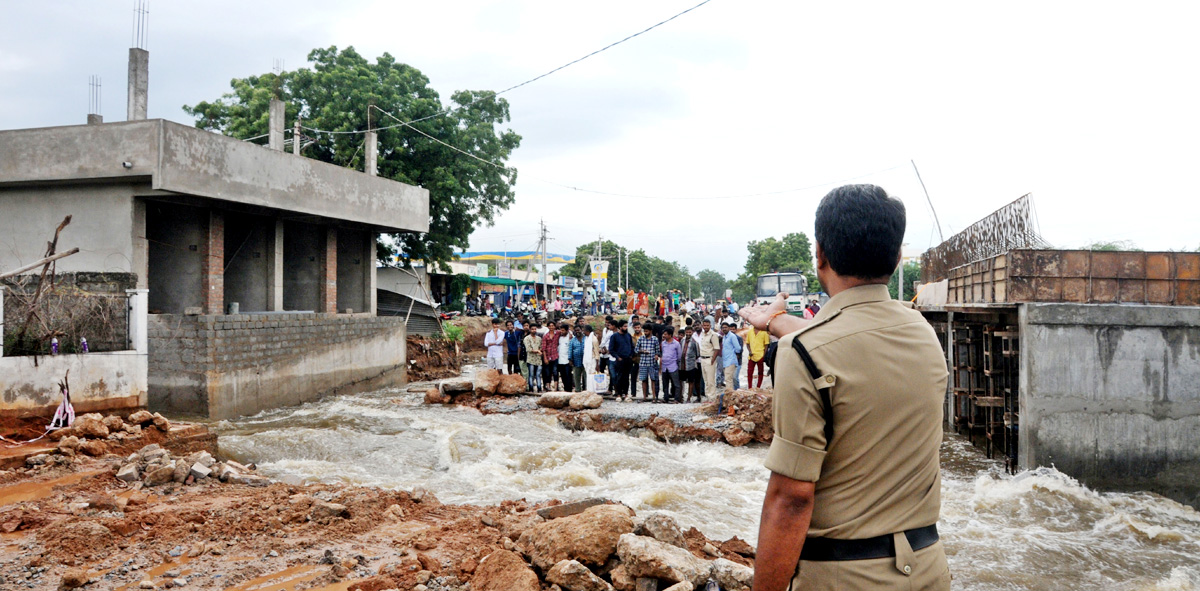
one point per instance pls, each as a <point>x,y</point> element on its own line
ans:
<point>860,228</point>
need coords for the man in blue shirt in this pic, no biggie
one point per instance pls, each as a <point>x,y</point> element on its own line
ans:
<point>512,342</point>
<point>575,356</point>
<point>620,348</point>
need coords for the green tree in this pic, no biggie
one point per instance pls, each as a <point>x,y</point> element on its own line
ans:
<point>1112,245</point>
<point>792,253</point>
<point>713,284</point>
<point>336,95</point>
<point>912,274</point>
<point>646,272</point>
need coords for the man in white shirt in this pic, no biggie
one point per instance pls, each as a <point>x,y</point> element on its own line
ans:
<point>494,341</point>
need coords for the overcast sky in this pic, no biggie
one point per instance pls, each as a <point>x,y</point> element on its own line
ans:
<point>1090,106</point>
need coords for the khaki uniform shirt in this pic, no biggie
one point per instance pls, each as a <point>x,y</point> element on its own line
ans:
<point>880,474</point>
<point>709,343</point>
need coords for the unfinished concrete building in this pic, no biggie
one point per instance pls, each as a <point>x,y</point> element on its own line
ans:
<point>1088,361</point>
<point>258,265</point>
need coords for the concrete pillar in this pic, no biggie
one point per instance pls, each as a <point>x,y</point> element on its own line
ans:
<point>141,246</point>
<point>94,119</point>
<point>276,116</point>
<point>139,84</point>
<point>213,281</point>
<point>372,153</point>
<point>138,305</point>
<point>329,273</point>
<point>370,272</point>
<point>275,280</point>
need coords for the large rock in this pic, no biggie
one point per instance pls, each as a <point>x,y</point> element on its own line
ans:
<point>647,557</point>
<point>114,423</point>
<point>512,384</point>
<point>141,417</point>
<point>70,442</point>
<point>569,509</point>
<point>93,447</point>
<point>621,579</point>
<point>574,576</point>
<point>582,400</point>
<point>737,437</point>
<point>128,472</point>
<point>160,475</point>
<point>731,575</point>
<point>487,381</point>
<point>161,423</point>
<point>72,578</point>
<point>91,426</point>
<point>554,399</point>
<point>681,586</point>
<point>435,396</point>
<point>457,386</point>
<point>664,529</point>
<point>503,570</point>
<point>589,537</point>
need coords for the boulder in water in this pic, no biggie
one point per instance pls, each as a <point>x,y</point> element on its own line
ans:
<point>435,396</point>
<point>589,537</point>
<point>503,570</point>
<point>554,399</point>
<point>582,400</point>
<point>512,384</point>
<point>738,437</point>
<point>487,381</point>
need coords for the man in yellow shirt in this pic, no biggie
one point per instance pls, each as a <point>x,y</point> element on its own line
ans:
<point>757,341</point>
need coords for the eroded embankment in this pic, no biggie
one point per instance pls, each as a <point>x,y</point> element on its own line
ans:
<point>77,522</point>
<point>744,417</point>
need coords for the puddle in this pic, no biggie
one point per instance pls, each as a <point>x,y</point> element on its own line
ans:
<point>29,491</point>
<point>284,580</point>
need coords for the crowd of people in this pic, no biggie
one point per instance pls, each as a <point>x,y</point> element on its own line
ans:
<point>683,351</point>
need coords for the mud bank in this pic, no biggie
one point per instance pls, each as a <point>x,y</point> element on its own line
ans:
<point>72,523</point>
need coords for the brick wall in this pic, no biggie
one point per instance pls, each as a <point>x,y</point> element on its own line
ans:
<point>214,264</point>
<point>196,360</point>
<point>224,343</point>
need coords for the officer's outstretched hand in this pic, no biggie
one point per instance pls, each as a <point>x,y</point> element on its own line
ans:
<point>758,316</point>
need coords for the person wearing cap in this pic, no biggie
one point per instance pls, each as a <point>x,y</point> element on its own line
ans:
<point>853,498</point>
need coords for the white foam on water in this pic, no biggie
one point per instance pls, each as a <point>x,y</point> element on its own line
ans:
<point>1037,530</point>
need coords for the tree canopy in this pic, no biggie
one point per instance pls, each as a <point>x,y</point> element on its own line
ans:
<point>912,273</point>
<point>336,95</point>
<point>646,273</point>
<point>792,253</point>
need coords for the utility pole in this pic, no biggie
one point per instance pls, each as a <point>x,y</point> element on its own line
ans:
<point>545,288</point>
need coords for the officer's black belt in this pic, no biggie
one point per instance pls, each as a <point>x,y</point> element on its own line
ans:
<point>829,549</point>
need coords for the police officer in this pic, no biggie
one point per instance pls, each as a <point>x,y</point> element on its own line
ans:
<point>854,493</point>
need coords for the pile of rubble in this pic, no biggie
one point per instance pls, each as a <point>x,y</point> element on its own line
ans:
<point>97,435</point>
<point>154,466</point>
<point>607,547</point>
<point>488,382</point>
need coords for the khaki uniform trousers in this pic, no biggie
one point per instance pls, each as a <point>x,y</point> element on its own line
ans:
<point>730,377</point>
<point>928,571</point>
<point>709,372</point>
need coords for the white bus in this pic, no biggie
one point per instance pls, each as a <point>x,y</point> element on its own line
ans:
<point>793,284</point>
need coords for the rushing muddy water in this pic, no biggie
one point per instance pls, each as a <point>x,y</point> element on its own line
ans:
<point>1036,530</point>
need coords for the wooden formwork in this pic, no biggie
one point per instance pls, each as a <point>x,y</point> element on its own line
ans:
<point>1079,276</point>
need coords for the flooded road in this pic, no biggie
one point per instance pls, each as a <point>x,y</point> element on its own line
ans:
<point>1036,530</point>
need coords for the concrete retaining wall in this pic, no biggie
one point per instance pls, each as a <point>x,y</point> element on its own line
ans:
<point>100,382</point>
<point>1110,394</point>
<point>228,366</point>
